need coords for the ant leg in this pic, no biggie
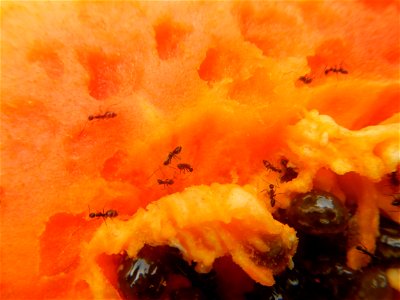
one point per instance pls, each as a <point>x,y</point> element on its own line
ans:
<point>83,129</point>
<point>151,175</point>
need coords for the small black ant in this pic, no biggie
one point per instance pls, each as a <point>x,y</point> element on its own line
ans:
<point>172,154</point>
<point>185,167</point>
<point>362,249</point>
<point>306,79</point>
<point>271,167</point>
<point>111,213</point>
<point>271,194</point>
<point>165,182</point>
<point>336,70</point>
<point>106,115</point>
<point>289,173</point>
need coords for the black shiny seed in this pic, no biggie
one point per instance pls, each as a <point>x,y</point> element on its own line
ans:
<point>373,284</point>
<point>142,277</point>
<point>318,213</point>
<point>388,242</point>
<point>146,276</point>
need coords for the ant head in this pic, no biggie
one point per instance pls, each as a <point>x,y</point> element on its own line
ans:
<point>171,181</point>
<point>271,186</point>
<point>92,215</point>
<point>91,117</point>
<point>160,181</point>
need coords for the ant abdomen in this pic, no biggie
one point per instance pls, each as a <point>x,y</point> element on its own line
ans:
<point>185,167</point>
<point>165,182</point>
<point>172,155</point>
<point>106,115</point>
<point>111,213</point>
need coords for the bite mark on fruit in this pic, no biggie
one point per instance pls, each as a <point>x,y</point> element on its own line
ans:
<point>169,37</point>
<point>104,73</point>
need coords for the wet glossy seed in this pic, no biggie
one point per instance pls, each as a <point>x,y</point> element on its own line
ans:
<point>388,242</point>
<point>373,284</point>
<point>151,276</point>
<point>318,213</point>
<point>142,277</point>
<point>146,276</point>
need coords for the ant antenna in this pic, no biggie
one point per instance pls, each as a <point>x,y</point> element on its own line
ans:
<point>364,250</point>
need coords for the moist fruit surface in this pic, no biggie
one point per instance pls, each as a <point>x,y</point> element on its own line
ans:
<point>96,97</point>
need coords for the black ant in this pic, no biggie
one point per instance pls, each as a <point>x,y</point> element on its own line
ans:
<point>271,167</point>
<point>271,194</point>
<point>185,167</point>
<point>336,70</point>
<point>111,213</point>
<point>172,154</point>
<point>306,79</point>
<point>289,173</point>
<point>364,250</point>
<point>165,182</point>
<point>106,115</point>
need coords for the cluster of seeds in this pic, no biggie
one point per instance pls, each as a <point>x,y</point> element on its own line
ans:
<point>320,272</point>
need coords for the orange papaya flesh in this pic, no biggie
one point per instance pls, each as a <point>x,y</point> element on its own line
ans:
<point>209,77</point>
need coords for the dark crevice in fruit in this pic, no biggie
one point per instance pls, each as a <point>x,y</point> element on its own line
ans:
<point>191,293</point>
